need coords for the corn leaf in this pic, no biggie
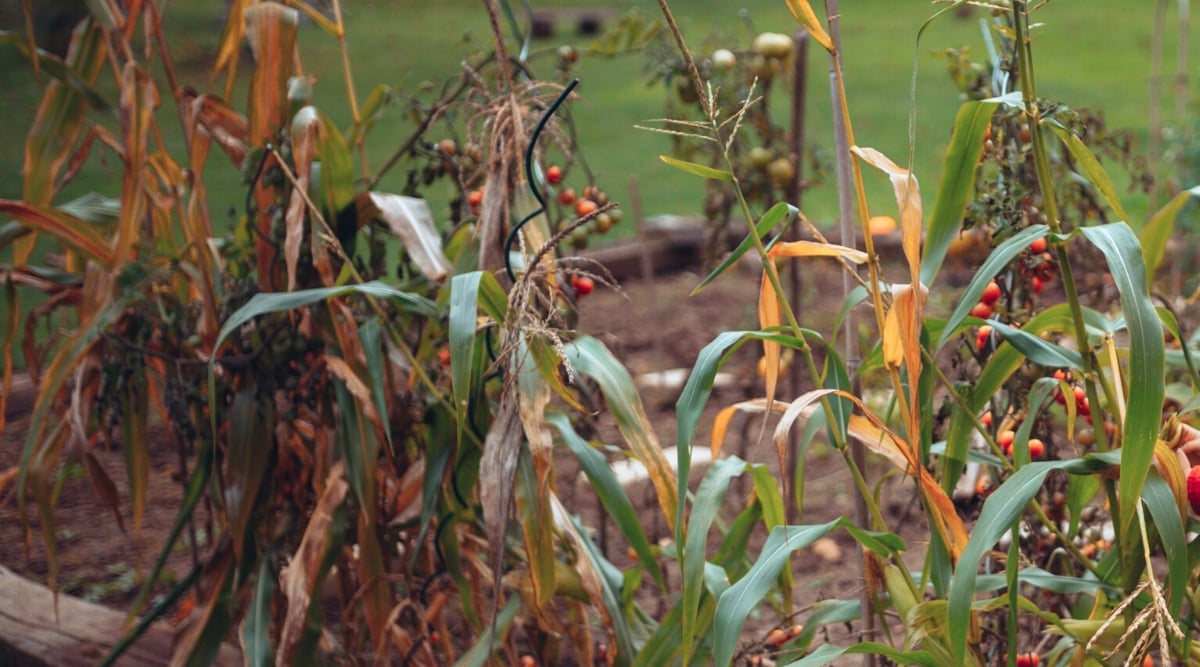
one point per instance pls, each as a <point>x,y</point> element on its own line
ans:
<point>256,627</point>
<point>1000,510</point>
<point>271,30</point>
<point>1147,370</point>
<point>591,358</point>
<point>827,653</point>
<point>997,260</point>
<point>301,579</point>
<point>134,407</point>
<point>411,221</point>
<point>493,638</point>
<point>263,304</point>
<point>75,233</point>
<point>908,200</point>
<point>781,212</point>
<point>1158,230</point>
<point>957,184</point>
<point>735,604</point>
<point>612,496</point>
<point>1164,508</point>
<point>803,13</point>
<point>709,498</point>
<point>1091,168</point>
<point>139,98</point>
<point>697,169</point>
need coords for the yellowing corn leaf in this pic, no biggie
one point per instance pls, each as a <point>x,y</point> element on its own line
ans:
<point>231,43</point>
<point>721,422</point>
<point>223,124</point>
<point>411,221</point>
<point>908,198</point>
<point>271,30</point>
<point>299,579</point>
<point>1170,468</point>
<point>769,315</point>
<point>57,124</point>
<point>497,470</point>
<point>534,514</point>
<point>803,11</point>
<point>588,574</point>
<point>139,98</point>
<point>815,249</point>
<point>870,430</point>
<point>65,227</point>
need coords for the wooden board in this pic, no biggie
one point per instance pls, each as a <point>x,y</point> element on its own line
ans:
<point>81,636</point>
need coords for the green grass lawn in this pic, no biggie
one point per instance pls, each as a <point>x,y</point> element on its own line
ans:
<point>1086,56</point>
<point>1089,53</point>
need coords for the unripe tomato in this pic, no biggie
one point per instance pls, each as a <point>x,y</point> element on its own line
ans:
<point>772,45</point>
<point>585,207</point>
<point>723,60</point>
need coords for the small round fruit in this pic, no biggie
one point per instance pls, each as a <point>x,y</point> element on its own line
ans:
<point>991,293</point>
<point>776,637</point>
<point>1037,284</point>
<point>723,60</point>
<point>1193,489</point>
<point>795,631</point>
<point>444,356</point>
<point>448,147</point>
<point>1086,437</point>
<point>604,222</point>
<point>585,207</point>
<point>582,285</point>
<point>881,224</point>
<point>1038,246</point>
<point>528,661</point>
<point>566,196</point>
<point>765,68</point>
<point>985,335</point>
<point>1005,440</point>
<point>981,310</point>
<point>474,198</point>
<point>1036,448</point>
<point>759,157</point>
<point>554,174</point>
<point>616,214</point>
<point>568,54</point>
<point>986,419</point>
<point>772,45</point>
<point>781,171</point>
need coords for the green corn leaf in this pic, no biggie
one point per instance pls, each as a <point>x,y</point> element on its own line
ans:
<point>735,604</point>
<point>250,423</point>
<point>1165,511</point>
<point>371,335</point>
<point>276,302</point>
<point>256,627</point>
<point>1147,370</point>
<point>612,496</point>
<point>663,643</point>
<point>1035,349</point>
<point>1185,351</point>
<point>957,184</point>
<point>827,653</point>
<point>1091,168</point>
<point>493,638</point>
<point>1000,510</point>
<point>697,169</point>
<point>1000,257</point>
<point>591,358</point>
<point>709,498</point>
<point>1158,230</point>
<point>781,212</point>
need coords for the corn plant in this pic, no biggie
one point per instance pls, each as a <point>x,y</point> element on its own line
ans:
<point>1041,201</point>
<point>357,443</point>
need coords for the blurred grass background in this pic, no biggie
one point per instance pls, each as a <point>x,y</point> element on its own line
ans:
<point>1093,53</point>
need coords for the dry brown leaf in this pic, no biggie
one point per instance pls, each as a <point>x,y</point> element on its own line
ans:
<point>769,316</point>
<point>816,249</point>
<point>411,221</point>
<point>359,390</point>
<point>298,578</point>
<point>305,127</point>
<point>725,416</point>
<point>908,198</point>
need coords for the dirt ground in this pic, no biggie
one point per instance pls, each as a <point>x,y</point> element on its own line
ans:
<point>649,326</point>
